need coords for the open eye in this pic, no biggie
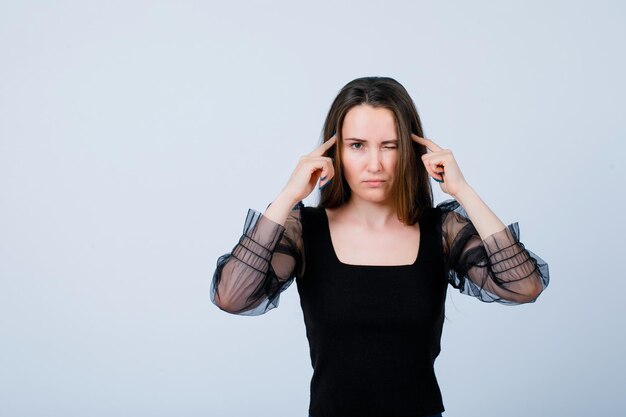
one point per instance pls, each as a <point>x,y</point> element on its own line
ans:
<point>356,145</point>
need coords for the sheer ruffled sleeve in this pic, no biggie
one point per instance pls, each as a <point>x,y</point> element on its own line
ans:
<point>265,261</point>
<point>498,268</point>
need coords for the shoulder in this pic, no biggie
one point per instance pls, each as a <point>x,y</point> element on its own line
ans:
<point>430,215</point>
<point>309,209</point>
<point>451,205</point>
<point>307,213</point>
<point>451,212</point>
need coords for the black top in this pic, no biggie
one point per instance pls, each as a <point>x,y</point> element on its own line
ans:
<point>373,331</point>
<point>373,346</point>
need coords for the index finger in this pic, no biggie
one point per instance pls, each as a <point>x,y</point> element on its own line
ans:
<point>321,150</point>
<point>432,146</point>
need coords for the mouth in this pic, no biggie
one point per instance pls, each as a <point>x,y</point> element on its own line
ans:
<point>374,183</point>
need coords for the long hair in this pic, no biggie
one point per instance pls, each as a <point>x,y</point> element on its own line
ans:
<point>412,192</point>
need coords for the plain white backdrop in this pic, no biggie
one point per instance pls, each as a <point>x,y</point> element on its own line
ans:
<point>134,136</point>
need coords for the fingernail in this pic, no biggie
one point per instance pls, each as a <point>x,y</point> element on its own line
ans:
<point>322,178</point>
<point>328,182</point>
<point>437,180</point>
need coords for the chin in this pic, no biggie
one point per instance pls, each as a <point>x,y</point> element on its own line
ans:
<point>375,197</point>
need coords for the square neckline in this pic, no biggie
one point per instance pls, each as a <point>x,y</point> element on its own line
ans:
<point>332,249</point>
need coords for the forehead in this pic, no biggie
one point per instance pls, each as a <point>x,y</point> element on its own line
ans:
<point>369,123</point>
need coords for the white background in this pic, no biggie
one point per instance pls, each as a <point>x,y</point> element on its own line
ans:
<point>135,135</point>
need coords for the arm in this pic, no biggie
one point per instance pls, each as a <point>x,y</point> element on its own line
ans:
<point>496,267</point>
<point>484,220</point>
<point>268,257</point>
<point>484,257</point>
<point>250,279</point>
<point>513,275</point>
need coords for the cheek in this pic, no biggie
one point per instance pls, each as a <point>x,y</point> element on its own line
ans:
<point>391,159</point>
<point>350,169</point>
<point>350,163</point>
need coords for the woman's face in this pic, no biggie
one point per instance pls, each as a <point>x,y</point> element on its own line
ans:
<point>370,152</point>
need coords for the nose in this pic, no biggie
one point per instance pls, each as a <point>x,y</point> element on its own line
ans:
<point>374,162</point>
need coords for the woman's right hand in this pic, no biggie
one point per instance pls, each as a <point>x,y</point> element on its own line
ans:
<point>302,181</point>
<point>310,167</point>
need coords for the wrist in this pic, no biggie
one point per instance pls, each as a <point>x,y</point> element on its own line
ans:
<point>465,192</point>
<point>285,200</point>
<point>279,209</point>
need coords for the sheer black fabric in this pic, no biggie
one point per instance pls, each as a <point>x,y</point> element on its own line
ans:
<point>498,268</point>
<point>269,256</point>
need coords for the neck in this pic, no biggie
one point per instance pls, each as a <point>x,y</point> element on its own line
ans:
<point>371,215</point>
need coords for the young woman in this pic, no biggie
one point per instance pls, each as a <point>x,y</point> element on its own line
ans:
<point>373,260</point>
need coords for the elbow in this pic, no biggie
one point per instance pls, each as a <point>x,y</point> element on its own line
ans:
<point>223,290</point>
<point>530,293</point>
<point>221,303</point>
<point>222,298</point>
<point>236,304</point>
<point>521,290</point>
<point>227,305</point>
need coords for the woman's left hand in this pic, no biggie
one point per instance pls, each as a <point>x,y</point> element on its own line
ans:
<point>442,166</point>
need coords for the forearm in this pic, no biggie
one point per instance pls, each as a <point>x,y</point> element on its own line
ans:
<point>279,209</point>
<point>246,278</point>
<point>509,272</point>
<point>484,220</point>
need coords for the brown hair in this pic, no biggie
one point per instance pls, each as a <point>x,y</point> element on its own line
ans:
<point>413,194</point>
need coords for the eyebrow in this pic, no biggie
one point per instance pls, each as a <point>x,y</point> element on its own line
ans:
<point>363,140</point>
